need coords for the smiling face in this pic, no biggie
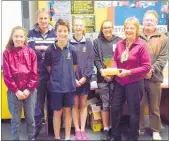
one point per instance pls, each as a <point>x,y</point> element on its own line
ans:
<point>18,38</point>
<point>43,20</point>
<point>107,29</point>
<point>62,33</point>
<point>150,21</point>
<point>130,31</point>
<point>79,26</point>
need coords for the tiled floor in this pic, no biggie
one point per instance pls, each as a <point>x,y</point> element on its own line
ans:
<point>5,133</point>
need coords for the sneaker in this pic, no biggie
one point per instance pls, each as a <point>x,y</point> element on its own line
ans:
<point>38,129</point>
<point>84,136</point>
<point>43,121</point>
<point>156,136</point>
<point>56,139</point>
<point>105,135</point>
<point>141,132</point>
<point>78,135</point>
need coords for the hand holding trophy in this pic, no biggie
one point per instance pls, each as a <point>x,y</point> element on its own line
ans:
<point>108,61</point>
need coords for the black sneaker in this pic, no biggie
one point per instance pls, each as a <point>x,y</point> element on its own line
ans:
<point>38,129</point>
<point>105,135</point>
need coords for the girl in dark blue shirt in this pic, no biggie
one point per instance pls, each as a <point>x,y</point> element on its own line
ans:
<point>83,75</point>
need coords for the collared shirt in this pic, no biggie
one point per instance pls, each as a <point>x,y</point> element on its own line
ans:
<point>138,61</point>
<point>62,76</point>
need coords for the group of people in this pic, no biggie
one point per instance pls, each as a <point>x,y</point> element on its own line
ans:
<point>46,63</point>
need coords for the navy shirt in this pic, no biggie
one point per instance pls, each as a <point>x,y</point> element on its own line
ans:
<point>62,76</point>
<point>85,58</point>
<point>36,38</point>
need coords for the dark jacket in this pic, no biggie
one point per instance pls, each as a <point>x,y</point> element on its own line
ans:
<point>62,76</point>
<point>84,58</point>
<point>103,47</point>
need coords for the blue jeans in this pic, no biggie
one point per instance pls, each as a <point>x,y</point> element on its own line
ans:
<point>15,108</point>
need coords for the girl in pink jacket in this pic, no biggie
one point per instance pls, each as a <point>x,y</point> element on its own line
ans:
<point>20,76</point>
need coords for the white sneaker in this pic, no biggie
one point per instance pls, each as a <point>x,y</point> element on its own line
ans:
<point>141,132</point>
<point>157,136</point>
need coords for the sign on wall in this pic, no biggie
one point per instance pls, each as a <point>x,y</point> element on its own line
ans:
<point>82,7</point>
<point>95,12</point>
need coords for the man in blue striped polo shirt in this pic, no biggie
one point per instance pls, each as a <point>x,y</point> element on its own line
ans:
<point>40,37</point>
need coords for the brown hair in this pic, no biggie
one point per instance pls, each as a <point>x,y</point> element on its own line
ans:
<point>82,19</point>
<point>134,21</point>
<point>62,22</point>
<point>101,28</point>
<point>10,41</point>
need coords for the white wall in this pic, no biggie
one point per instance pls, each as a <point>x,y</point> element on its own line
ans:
<point>33,7</point>
<point>11,17</point>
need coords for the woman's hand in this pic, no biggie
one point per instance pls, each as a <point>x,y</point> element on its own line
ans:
<point>20,95</point>
<point>77,83</point>
<point>108,78</point>
<point>149,75</point>
<point>82,80</point>
<point>124,73</point>
<point>26,93</point>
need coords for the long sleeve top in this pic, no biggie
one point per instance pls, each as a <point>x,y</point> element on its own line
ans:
<point>84,58</point>
<point>138,61</point>
<point>158,48</point>
<point>20,68</point>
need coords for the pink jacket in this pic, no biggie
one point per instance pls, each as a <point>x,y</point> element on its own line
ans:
<point>20,68</point>
<point>138,62</point>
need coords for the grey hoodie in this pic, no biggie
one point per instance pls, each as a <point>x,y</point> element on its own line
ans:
<point>103,47</point>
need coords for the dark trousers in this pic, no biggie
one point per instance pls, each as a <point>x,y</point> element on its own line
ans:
<point>132,94</point>
<point>42,92</point>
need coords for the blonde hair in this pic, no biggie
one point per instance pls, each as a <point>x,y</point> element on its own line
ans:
<point>10,41</point>
<point>153,12</point>
<point>135,21</point>
<point>42,10</point>
<point>83,21</point>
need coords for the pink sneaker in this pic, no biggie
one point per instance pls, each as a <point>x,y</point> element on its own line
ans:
<point>84,136</point>
<point>78,135</point>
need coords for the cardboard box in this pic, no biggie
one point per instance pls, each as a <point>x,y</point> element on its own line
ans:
<point>95,118</point>
<point>92,101</point>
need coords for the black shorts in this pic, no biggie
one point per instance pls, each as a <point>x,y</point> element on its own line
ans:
<point>84,89</point>
<point>60,100</point>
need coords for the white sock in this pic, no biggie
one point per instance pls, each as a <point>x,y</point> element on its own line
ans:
<point>106,128</point>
